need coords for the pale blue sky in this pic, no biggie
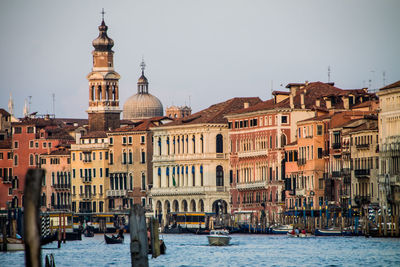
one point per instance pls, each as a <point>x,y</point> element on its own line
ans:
<point>206,50</point>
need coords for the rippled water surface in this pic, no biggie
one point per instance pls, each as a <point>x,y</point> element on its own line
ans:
<point>245,250</point>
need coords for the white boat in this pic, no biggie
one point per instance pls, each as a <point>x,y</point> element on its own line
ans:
<point>15,244</point>
<point>219,238</point>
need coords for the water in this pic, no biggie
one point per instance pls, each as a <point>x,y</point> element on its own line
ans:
<point>245,250</point>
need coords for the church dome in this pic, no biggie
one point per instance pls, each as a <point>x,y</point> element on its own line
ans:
<point>142,105</point>
<point>103,42</point>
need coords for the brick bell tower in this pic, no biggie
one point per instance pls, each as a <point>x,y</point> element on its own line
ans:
<point>103,111</point>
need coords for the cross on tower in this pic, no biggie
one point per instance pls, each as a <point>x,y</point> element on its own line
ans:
<point>142,65</point>
<point>102,13</point>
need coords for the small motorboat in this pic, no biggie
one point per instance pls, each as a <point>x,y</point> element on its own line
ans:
<point>328,232</point>
<point>281,229</point>
<point>219,238</point>
<point>113,239</point>
<point>15,244</point>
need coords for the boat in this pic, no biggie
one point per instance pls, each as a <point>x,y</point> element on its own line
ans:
<point>89,231</point>
<point>113,239</point>
<point>300,235</point>
<point>219,238</point>
<point>281,229</point>
<point>15,244</point>
<point>48,239</point>
<point>163,248</point>
<point>328,232</point>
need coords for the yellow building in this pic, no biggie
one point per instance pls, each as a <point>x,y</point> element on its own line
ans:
<point>131,173</point>
<point>389,139</point>
<point>90,172</point>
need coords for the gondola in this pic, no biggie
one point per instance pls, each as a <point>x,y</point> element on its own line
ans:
<point>89,231</point>
<point>48,239</point>
<point>163,248</point>
<point>113,239</point>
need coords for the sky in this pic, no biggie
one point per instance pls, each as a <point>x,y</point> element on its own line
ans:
<point>197,53</point>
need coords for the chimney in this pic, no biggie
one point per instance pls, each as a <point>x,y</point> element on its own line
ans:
<point>346,102</point>
<point>303,106</point>
<point>318,102</point>
<point>291,101</point>
<point>246,104</point>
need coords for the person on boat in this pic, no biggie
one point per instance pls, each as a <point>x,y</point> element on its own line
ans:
<point>120,233</point>
<point>303,231</point>
<point>292,232</point>
<point>297,231</point>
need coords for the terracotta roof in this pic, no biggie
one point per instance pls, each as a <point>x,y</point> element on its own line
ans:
<point>216,113</point>
<point>318,118</point>
<point>312,92</point>
<point>4,112</point>
<point>365,104</point>
<point>142,125</point>
<point>371,125</point>
<point>6,144</point>
<point>62,151</point>
<point>38,122</point>
<point>95,134</point>
<point>58,133</point>
<point>390,86</point>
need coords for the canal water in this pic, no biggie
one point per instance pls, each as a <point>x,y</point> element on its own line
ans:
<point>245,250</point>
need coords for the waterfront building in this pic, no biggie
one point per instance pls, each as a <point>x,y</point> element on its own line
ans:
<point>131,171</point>
<point>191,163</point>
<point>6,174</point>
<point>360,154</point>
<point>389,151</point>
<point>90,174</point>
<point>56,186</point>
<point>259,134</point>
<point>5,124</point>
<point>103,111</point>
<point>142,105</point>
<point>176,112</point>
<point>32,137</point>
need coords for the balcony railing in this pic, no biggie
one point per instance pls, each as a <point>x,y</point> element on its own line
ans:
<point>301,162</point>
<point>362,146</point>
<point>251,185</point>
<point>85,196</point>
<point>362,200</point>
<point>336,145</point>
<point>336,174</point>
<point>61,207</point>
<point>116,193</point>
<point>62,186</point>
<point>362,173</point>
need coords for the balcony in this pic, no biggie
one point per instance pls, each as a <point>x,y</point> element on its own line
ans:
<point>62,186</point>
<point>87,179</point>
<point>362,200</point>
<point>254,153</point>
<point>301,192</point>
<point>336,174</point>
<point>116,193</point>
<point>362,173</point>
<point>336,146</point>
<point>362,146</point>
<point>301,162</point>
<point>61,207</point>
<point>86,196</point>
<point>252,185</point>
<point>187,190</point>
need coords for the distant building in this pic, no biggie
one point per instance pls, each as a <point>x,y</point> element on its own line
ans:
<point>142,105</point>
<point>190,161</point>
<point>389,150</point>
<point>103,111</point>
<point>175,112</point>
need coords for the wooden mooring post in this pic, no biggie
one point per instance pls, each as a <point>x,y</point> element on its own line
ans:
<point>139,244</point>
<point>33,182</point>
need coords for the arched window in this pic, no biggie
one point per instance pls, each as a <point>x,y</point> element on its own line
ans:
<point>16,160</point>
<point>220,176</point>
<point>159,145</point>
<point>167,145</point>
<point>159,176</point>
<point>99,92</point>
<point>194,144</point>
<point>93,92</point>
<point>194,175</point>
<point>220,145</point>
<point>143,181</point>
<point>130,182</point>
<point>202,143</point>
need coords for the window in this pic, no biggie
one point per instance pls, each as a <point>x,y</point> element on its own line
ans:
<point>73,173</point>
<point>106,155</point>
<point>94,172</point>
<point>73,156</point>
<point>30,130</point>
<point>49,145</point>
<point>143,181</point>
<point>101,172</point>
<point>1,156</point>
<point>17,130</point>
<point>111,158</point>
<point>321,183</point>
<point>319,129</point>
<point>16,160</point>
<point>320,152</point>
<point>284,119</point>
<point>124,140</point>
<point>142,139</point>
<point>9,155</point>
<point>31,159</point>
<point>220,176</point>
<point>220,146</point>
<point>143,157</point>
<point>111,140</point>
<point>130,140</point>
<point>130,157</point>
<point>15,144</point>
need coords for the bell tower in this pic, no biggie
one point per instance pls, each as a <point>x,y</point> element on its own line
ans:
<point>103,111</point>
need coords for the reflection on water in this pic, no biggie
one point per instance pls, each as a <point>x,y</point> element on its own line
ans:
<point>245,250</point>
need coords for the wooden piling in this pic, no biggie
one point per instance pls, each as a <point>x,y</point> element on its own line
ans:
<point>397,225</point>
<point>155,240</point>
<point>33,181</point>
<point>138,232</point>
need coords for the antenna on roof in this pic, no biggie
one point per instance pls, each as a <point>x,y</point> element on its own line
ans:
<point>329,74</point>
<point>384,78</point>
<point>53,95</point>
